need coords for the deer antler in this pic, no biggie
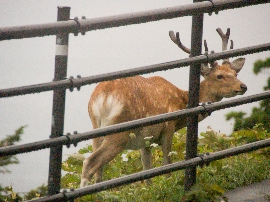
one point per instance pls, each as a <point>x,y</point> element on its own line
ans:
<point>236,64</point>
<point>231,47</point>
<point>176,40</point>
<point>225,39</point>
<point>205,70</point>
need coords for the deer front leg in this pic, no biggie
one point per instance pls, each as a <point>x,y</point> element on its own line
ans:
<point>146,158</point>
<point>110,147</point>
<point>166,141</point>
<point>166,149</point>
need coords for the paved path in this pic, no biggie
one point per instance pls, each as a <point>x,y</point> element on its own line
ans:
<point>258,192</point>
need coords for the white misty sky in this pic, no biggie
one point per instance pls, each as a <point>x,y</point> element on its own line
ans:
<point>31,61</point>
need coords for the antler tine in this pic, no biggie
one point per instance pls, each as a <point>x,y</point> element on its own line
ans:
<point>176,40</point>
<point>205,70</point>
<point>224,37</point>
<point>212,63</point>
<point>205,46</point>
<point>231,47</point>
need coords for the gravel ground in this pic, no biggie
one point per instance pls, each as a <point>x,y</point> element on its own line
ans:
<point>258,192</point>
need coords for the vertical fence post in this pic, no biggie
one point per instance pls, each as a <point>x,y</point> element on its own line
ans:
<point>193,101</point>
<point>61,56</point>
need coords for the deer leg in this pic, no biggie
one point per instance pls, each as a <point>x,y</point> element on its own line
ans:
<point>96,144</point>
<point>110,147</point>
<point>166,149</point>
<point>146,158</point>
<point>166,141</point>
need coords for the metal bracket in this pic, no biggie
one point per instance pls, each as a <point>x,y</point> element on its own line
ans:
<point>202,158</point>
<point>68,135</point>
<point>79,29</point>
<point>65,196</point>
<point>213,8</point>
<point>71,78</point>
<point>203,104</point>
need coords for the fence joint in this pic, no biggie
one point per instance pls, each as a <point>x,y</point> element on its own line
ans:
<point>79,27</point>
<point>213,8</point>
<point>76,19</point>
<point>74,141</point>
<point>72,86</point>
<point>71,83</point>
<point>201,156</point>
<point>70,141</point>
<point>65,197</point>
<point>206,112</point>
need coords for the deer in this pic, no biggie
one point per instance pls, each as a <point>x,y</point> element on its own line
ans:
<point>126,99</point>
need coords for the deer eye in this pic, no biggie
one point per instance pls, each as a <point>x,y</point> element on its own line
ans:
<point>220,76</point>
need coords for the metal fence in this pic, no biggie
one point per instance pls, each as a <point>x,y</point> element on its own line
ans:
<point>63,27</point>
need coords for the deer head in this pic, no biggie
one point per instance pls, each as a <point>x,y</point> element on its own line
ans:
<point>220,80</point>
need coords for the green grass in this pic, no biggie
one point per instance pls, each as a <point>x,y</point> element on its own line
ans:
<point>212,180</point>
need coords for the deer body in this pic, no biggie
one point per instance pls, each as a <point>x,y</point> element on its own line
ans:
<point>132,98</point>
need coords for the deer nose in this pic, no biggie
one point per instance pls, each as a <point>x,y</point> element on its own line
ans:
<point>243,87</point>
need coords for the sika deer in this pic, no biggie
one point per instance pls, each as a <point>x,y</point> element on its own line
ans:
<point>127,99</point>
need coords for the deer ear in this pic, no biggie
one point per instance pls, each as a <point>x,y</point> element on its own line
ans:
<point>205,70</point>
<point>238,64</point>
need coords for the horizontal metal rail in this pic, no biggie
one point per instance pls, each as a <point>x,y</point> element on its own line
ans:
<point>157,171</point>
<point>28,31</point>
<point>78,82</point>
<point>74,139</point>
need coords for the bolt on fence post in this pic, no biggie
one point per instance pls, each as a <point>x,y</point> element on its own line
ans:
<point>193,101</point>
<point>58,111</point>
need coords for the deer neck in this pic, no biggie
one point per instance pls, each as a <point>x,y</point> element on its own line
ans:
<point>206,94</point>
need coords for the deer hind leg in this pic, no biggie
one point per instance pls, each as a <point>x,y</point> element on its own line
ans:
<point>96,144</point>
<point>110,147</point>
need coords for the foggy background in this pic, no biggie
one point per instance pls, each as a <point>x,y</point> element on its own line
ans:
<point>31,61</point>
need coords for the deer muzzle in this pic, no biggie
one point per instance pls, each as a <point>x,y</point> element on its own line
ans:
<point>243,89</point>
